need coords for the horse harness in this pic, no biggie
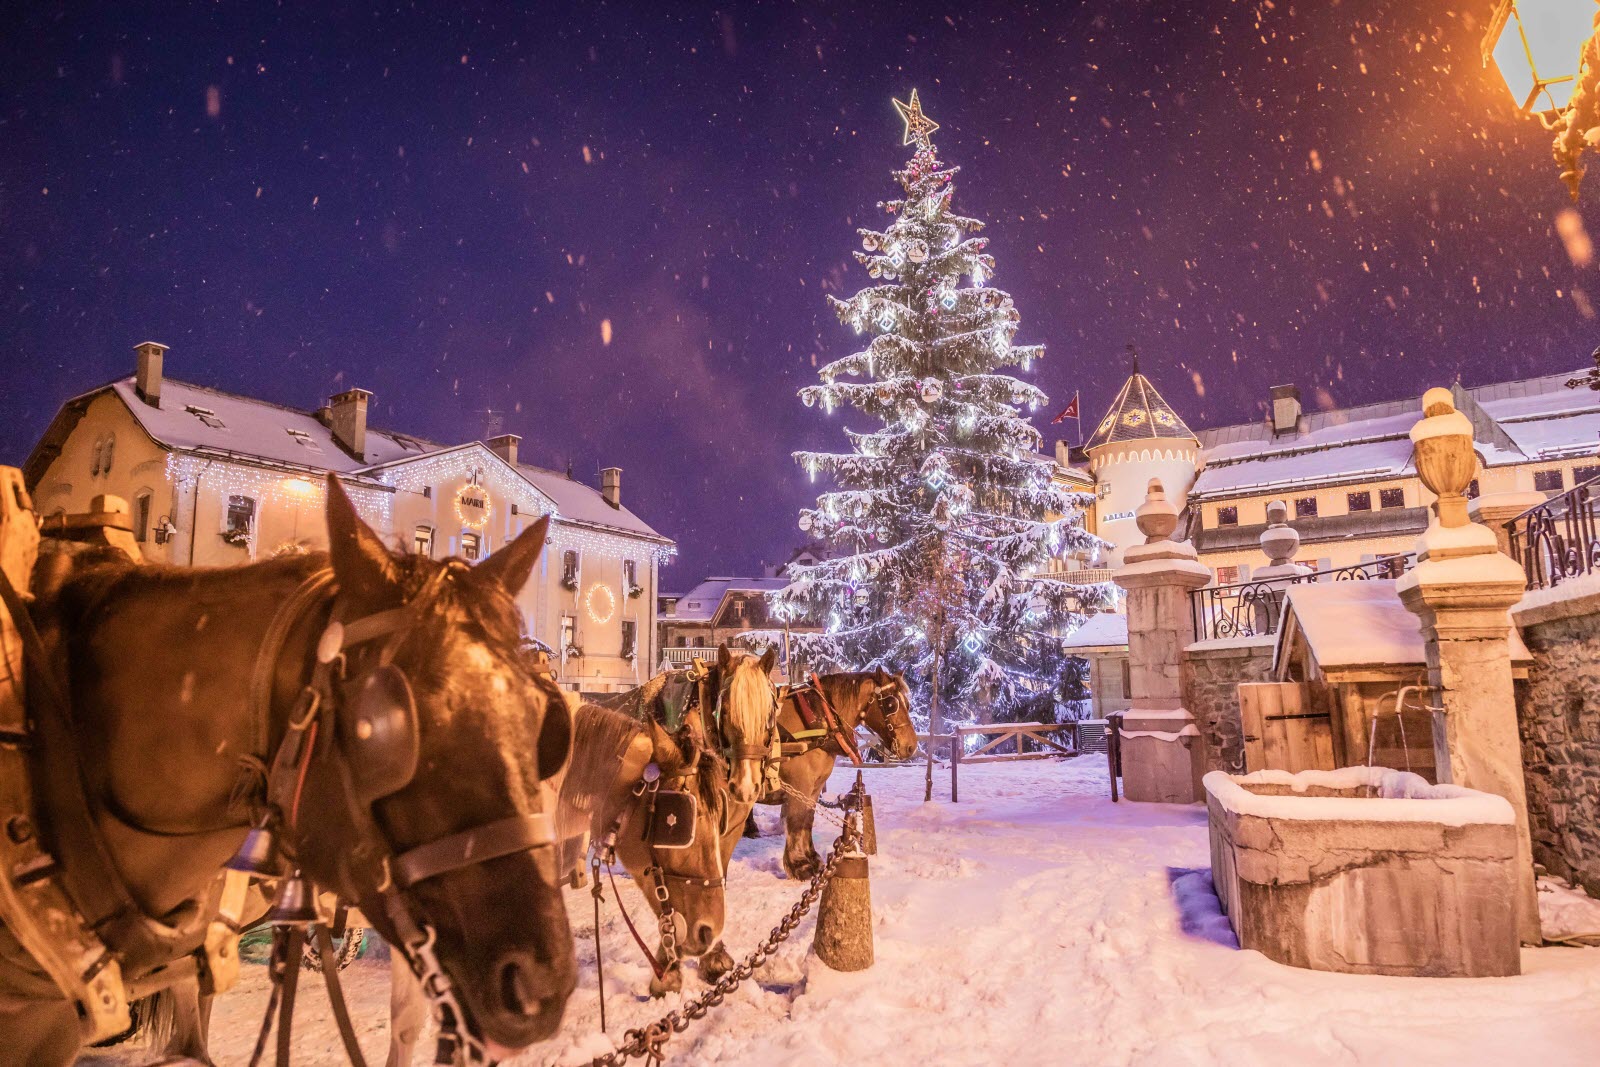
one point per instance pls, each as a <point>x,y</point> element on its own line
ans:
<point>697,677</point>
<point>670,820</point>
<point>362,727</point>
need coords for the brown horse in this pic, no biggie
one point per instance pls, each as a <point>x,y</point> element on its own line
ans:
<point>606,791</point>
<point>166,675</point>
<point>880,700</point>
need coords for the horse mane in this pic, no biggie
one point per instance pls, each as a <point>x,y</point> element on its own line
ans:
<point>748,688</point>
<point>600,739</point>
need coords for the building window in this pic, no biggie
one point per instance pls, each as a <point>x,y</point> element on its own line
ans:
<point>1361,501</point>
<point>422,541</point>
<point>1548,481</point>
<point>630,635</point>
<point>630,576</point>
<point>1584,474</point>
<point>469,546</point>
<point>569,631</point>
<point>1227,575</point>
<point>1305,507</point>
<point>699,642</point>
<point>241,518</point>
<point>1127,679</point>
<point>1472,486</point>
<point>141,516</point>
<point>569,569</point>
<point>1391,498</point>
<point>1228,516</point>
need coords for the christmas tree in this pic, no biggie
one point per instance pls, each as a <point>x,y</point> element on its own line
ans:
<point>943,519</point>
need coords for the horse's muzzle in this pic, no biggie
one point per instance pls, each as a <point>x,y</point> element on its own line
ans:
<point>523,1000</point>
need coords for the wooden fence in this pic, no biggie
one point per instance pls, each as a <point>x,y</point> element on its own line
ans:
<point>1044,746</point>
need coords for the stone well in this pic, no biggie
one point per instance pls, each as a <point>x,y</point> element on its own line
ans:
<point>1366,871</point>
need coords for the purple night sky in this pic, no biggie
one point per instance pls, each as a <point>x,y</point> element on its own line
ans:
<point>445,209</point>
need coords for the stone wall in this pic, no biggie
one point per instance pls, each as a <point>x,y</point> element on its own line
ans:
<point>1559,716</point>
<point>1211,672</point>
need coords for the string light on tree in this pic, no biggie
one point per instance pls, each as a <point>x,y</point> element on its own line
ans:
<point>949,518</point>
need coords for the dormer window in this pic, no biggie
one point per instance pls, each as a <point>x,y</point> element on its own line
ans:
<point>304,440</point>
<point>206,415</point>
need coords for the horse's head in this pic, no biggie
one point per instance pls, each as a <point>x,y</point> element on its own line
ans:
<point>692,872</point>
<point>889,713</point>
<point>456,855</point>
<point>746,716</point>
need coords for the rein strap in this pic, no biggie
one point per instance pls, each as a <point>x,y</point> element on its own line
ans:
<point>504,837</point>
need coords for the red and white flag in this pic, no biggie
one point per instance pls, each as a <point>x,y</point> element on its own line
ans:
<point>1068,412</point>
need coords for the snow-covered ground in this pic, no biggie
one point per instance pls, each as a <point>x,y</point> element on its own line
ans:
<point>1035,922</point>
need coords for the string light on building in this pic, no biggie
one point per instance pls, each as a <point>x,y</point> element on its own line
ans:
<point>468,465</point>
<point>474,505</point>
<point>267,486</point>
<point>601,603</point>
<point>597,543</point>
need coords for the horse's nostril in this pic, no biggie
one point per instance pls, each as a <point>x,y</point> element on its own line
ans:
<point>516,988</point>
<point>703,934</point>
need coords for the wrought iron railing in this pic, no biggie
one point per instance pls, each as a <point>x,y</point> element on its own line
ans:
<point>1559,539</point>
<point>1254,609</point>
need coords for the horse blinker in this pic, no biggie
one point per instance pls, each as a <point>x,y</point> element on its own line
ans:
<point>673,820</point>
<point>378,733</point>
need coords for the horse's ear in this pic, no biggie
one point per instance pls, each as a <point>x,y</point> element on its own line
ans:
<point>881,677</point>
<point>362,564</point>
<point>512,566</point>
<point>769,660</point>
<point>724,656</point>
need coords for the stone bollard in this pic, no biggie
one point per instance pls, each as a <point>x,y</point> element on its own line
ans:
<point>869,826</point>
<point>844,917</point>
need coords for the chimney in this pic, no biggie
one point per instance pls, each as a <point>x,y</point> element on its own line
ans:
<point>611,486</point>
<point>324,415</point>
<point>350,421</point>
<point>147,377</point>
<point>1285,409</point>
<point>505,446</point>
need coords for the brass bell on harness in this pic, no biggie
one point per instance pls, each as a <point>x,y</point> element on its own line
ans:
<point>258,855</point>
<point>296,903</point>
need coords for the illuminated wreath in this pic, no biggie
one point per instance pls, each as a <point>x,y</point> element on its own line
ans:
<point>610,603</point>
<point>480,500</point>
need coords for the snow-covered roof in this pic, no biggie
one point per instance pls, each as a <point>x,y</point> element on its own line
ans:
<point>1103,630</point>
<point>1359,624</point>
<point>700,603</point>
<point>1139,413</point>
<point>1513,422</point>
<point>195,418</point>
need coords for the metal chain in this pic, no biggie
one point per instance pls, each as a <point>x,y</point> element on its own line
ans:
<point>817,805</point>
<point>648,1041</point>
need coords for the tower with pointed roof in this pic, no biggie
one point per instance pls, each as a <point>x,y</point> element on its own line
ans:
<point>1141,437</point>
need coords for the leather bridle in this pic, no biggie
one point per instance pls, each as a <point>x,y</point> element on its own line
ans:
<point>310,735</point>
<point>745,750</point>
<point>887,699</point>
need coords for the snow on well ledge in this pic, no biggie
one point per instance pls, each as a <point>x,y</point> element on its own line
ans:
<point>1402,797</point>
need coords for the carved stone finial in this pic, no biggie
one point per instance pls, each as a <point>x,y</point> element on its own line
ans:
<point>1156,517</point>
<point>1279,540</point>
<point>1446,459</point>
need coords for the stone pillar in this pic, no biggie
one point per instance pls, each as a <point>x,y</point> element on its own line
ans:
<point>1497,509</point>
<point>1462,589</point>
<point>1163,755</point>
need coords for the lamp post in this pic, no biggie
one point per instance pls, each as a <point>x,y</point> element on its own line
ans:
<point>1537,46</point>
<point>1548,54</point>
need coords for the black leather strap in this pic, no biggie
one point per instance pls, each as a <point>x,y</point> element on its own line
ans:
<point>341,1013</point>
<point>504,837</point>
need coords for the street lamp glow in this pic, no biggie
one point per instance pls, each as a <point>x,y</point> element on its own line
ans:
<point>1536,45</point>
